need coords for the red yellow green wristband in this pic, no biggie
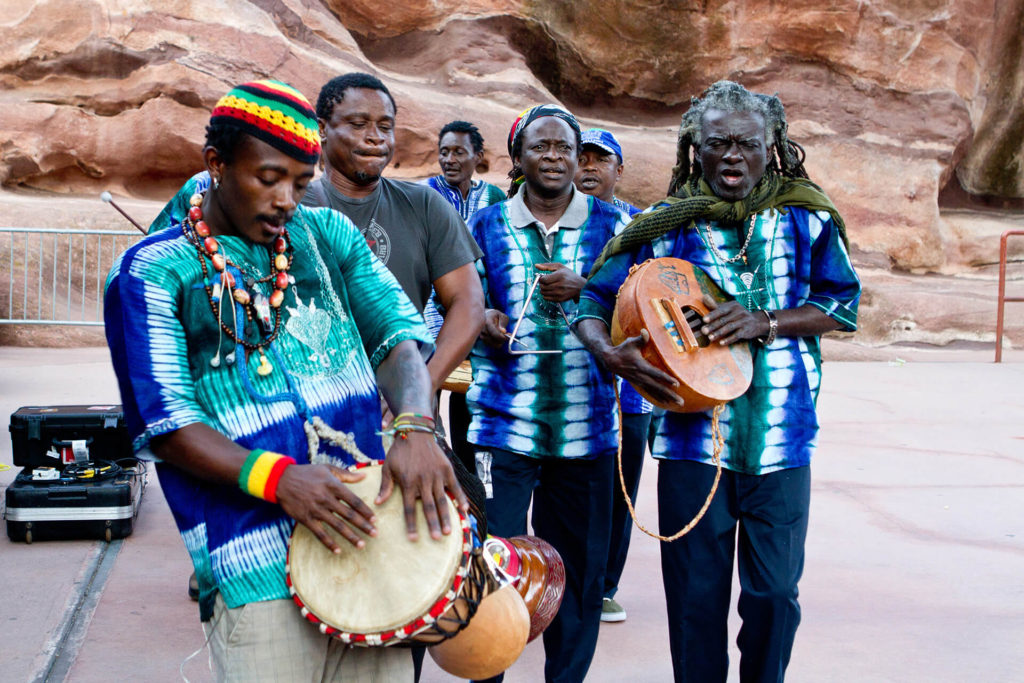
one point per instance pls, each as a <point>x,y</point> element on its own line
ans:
<point>261,473</point>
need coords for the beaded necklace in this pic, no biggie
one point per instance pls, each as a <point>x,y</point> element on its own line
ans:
<point>197,232</point>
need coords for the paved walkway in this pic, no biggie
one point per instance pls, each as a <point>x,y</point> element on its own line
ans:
<point>915,567</point>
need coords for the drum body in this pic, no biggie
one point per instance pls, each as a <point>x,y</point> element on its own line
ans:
<point>493,640</point>
<point>665,297</point>
<point>460,378</point>
<point>537,572</point>
<point>392,590</point>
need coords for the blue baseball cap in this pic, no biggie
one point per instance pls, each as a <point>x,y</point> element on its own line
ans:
<point>599,137</point>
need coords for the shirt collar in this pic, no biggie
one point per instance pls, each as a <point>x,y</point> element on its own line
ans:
<point>574,217</point>
<point>473,184</point>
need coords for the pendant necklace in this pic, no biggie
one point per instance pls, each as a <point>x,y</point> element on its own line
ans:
<point>747,277</point>
<point>257,307</point>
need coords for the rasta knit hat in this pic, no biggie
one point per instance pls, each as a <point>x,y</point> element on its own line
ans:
<point>275,113</point>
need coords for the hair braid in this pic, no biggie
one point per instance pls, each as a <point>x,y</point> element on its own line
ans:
<point>785,157</point>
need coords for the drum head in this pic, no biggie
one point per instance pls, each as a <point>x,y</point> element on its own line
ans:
<point>390,584</point>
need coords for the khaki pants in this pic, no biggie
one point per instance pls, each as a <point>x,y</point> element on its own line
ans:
<point>271,641</point>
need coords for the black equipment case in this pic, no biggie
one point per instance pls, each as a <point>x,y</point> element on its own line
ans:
<point>80,478</point>
<point>91,500</point>
<point>72,433</point>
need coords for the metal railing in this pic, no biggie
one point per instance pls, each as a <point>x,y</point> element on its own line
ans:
<point>56,276</point>
<point>1001,303</point>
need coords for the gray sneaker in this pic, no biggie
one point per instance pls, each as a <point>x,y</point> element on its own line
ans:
<point>612,611</point>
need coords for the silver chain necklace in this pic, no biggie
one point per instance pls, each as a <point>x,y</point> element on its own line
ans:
<point>742,254</point>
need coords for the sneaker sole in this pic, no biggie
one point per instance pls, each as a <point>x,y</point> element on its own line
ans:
<point>613,618</point>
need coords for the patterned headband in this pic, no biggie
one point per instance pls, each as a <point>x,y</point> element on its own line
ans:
<point>275,113</point>
<point>532,114</point>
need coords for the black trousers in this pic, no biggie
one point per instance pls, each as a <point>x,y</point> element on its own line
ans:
<point>458,423</point>
<point>571,511</point>
<point>761,520</point>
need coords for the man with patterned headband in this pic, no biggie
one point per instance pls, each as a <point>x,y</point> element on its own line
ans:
<point>543,412</point>
<point>249,339</point>
<point>744,211</point>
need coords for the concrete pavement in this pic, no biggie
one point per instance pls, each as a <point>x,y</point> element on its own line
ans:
<point>915,557</point>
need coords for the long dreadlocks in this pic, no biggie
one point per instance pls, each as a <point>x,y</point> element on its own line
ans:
<point>785,157</point>
<point>784,183</point>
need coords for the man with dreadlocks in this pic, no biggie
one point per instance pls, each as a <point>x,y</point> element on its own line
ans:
<point>543,411</point>
<point>744,212</point>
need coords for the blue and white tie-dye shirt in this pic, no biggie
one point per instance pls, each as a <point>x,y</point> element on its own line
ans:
<point>625,206</point>
<point>481,194</point>
<point>341,316</point>
<point>631,400</point>
<point>794,258</point>
<point>546,405</point>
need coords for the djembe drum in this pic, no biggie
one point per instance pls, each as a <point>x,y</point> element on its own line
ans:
<point>394,591</point>
<point>460,378</point>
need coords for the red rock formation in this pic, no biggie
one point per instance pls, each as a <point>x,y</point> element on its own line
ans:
<point>893,101</point>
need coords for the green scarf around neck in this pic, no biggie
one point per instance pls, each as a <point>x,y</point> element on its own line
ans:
<point>698,201</point>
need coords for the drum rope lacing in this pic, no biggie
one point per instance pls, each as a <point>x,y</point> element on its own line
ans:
<point>716,458</point>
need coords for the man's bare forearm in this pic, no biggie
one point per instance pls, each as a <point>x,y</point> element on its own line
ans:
<point>593,334</point>
<point>462,297</point>
<point>404,381</point>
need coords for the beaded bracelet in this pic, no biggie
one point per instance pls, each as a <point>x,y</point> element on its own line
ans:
<point>401,430</point>
<point>422,417</point>
<point>413,418</point>
<point>397,422</point>
<point>262,472</point>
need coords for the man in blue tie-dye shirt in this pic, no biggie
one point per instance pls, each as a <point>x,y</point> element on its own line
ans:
<point>600,169</point>
<point>744,212</point>
<point>543,411</point>
<point>249,338</point>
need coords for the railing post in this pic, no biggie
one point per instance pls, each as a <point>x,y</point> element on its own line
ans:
<point>48,258</point>
<point>1000,304</point>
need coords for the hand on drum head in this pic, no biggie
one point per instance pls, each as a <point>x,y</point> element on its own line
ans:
<point>314,496</point>
<point>626,361</point>
<point>729,322</point>
<point>423,472</point>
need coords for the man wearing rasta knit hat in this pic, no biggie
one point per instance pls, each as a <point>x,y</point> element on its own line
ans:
<point>245,339</point>
<point>743,210</point>
<point>543,412</point>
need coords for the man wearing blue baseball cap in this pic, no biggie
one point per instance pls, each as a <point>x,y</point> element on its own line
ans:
<point>599,170</point>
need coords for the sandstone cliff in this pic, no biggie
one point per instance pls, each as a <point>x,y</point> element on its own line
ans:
<point>902,106</point>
